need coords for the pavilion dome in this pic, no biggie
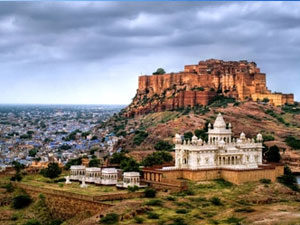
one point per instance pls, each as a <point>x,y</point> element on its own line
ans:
<point>219,123</point>
<point>194,138</point>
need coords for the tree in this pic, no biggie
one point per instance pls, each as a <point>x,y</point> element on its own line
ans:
<point>139,137</point>
<point>21,201</point>
<point>118,157</point>
<point>163,145</point>
<point>289,179</point>
<point>273,154</point>
<point>159,71</point>
<point>130,165</point>
<point>52,171</point>
<point>32,152</point>
<point>18,166</point>
<point>265,100</point>
<point>157,158</point>
<point>72,162</point>
<point>94,163</point>
<point>188,135</point>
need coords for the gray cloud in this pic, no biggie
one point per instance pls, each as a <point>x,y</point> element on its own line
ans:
<point>77,52</point>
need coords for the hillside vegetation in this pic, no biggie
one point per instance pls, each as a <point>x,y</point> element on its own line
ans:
<point>143,132</point>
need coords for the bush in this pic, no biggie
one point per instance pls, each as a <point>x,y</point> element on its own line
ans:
<point>215,201</point>
<point>21,201</point>
<point>163,145</point>
<point>153,215</point>
<point>288,179</point>
<point>139,137</point>
<point>170,198</point>
<point>182,211</point>
<point>150,193</point>
<point>110,218</point>
<point>293,142</point>
<point>16,177</point>
<point>157,158</point>
<point>179,221</point>
<point>272,154</point>
<point>154,202</point>
<point>52,171</point>
<point>265,181</point>
<point>133,188</point>
<point>267,137</point>
<point>32,222</point>
<point>246,209</point>
<point>138,219</point>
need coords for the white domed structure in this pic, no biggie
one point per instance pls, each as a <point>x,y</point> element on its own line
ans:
<point>221,151</point>
<point>259,137</point>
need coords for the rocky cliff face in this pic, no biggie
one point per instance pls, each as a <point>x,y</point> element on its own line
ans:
<point>198,84</point>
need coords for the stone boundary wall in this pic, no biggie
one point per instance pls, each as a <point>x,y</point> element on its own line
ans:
<point>234,176</point>
<point>65,205</point>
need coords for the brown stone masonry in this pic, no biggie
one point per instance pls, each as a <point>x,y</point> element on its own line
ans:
<point>234,176</point>
<point>198,84</point>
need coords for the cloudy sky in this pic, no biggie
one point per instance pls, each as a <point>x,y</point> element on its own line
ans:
<point>93,52</point>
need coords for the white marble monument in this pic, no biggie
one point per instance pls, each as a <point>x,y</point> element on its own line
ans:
<point>221,150</point>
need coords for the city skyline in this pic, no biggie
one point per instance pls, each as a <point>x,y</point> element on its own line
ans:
<point>93,52</point>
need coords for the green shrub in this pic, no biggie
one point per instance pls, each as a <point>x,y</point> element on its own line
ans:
<point>138,219</point>
<point>163,145</point>
<point>265,181</point>
<point>32,222</point>
<point>216,201</point>
<point>154,202</point>
<point>157,158</point>
<point>293,142</point>
<point>153,215</point>
<point>288,179</point>
<point>233,220</point>
<point>170,198</point>
<point>179,221</point>
<point>150,193</point>
<point>223,183</point>
<point>133,188</point>
<point>9,187</point>
<point>268,137</point>
<point>182,211</point>
<point>139,137</point>
<point>272,154</point>
<point>246,209</point>
<point>110,218</point>
<point>21,201</point>
<point>14,217</point>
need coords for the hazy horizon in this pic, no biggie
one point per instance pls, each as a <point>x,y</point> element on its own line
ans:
<point>83,53</point>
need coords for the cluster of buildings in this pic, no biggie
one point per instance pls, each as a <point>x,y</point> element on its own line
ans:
<point>53,133</point>
<point>104,176</point>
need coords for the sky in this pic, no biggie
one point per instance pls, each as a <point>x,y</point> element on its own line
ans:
<point>93,52</point>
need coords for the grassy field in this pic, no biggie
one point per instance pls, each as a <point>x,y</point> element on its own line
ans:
<point>220,202</point>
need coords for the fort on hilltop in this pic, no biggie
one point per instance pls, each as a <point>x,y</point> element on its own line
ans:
<point>198,84</point>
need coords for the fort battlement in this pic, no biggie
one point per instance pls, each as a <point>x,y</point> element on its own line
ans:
<point>199,83</point>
